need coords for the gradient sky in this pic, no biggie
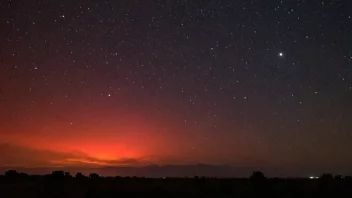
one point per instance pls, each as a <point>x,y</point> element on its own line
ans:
<point>229,82</point>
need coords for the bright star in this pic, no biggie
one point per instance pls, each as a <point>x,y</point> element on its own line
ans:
<point>281,54</point>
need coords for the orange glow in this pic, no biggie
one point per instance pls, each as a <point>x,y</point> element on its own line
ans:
<point>64,137</point>
<point>94,145</point>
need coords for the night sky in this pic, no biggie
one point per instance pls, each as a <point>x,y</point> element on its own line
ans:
<point>132,83</point>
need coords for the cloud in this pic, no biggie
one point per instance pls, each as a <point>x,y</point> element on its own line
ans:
<point>18,156</point>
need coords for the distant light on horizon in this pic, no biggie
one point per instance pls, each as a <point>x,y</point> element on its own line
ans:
<point>313,177</point>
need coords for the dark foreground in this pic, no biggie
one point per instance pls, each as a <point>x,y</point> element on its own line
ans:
<point>60,184</point>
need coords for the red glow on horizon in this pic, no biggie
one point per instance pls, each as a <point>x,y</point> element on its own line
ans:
<point>108,145</point>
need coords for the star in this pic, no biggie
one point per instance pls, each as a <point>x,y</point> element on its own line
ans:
<point>281,54</point>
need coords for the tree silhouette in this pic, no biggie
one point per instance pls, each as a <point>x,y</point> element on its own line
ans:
<point>68,175</point>
<point>11,174</point>
<point>326,176</point>
<point>59,184</point>
<point>94,176</point>
<point>258,182</point>
<point>57,175</point>
<point>80,176</point>
<point>326,181</point>
<point>257,176</point>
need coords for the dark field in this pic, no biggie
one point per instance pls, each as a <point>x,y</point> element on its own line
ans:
<point>60,184</point>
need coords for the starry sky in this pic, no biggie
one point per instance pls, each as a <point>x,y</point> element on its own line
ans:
<point>137,82</point>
